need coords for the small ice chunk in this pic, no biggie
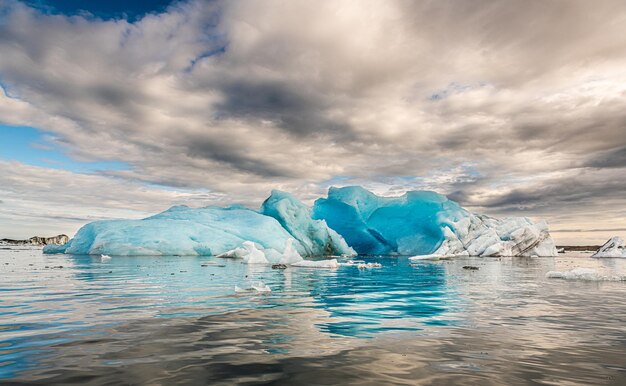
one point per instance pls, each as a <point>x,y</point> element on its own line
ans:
<point>253,255</point>
<point>261,287</point>
<point>351,263</point>
<point>332,263</point>
<point>254,287</point>
<point>290,256</point>
<point>368,265</point>
<point>105,257</point>
<point>237,253</point>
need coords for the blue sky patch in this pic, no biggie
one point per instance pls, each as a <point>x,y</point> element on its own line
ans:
<point>35,147</point>
<point>104,9</point>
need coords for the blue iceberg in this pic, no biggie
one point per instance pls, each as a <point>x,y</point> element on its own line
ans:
<point>212,230</point>
<point>349,220</point>
<point>426,223</point>
<point>407,225</point>
<point>315,237</point>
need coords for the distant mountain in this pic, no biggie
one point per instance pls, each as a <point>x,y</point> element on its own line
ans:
<point>37,240</point>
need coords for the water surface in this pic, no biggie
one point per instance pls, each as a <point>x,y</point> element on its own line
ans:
<point>177,320</point>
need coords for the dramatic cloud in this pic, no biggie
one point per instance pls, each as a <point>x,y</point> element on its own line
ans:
<point>509,107</point>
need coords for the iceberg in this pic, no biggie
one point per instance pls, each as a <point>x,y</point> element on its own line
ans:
<point>347,221</point>
<point>427,223</point>
<point>615,247</point>
<point>181,230</point>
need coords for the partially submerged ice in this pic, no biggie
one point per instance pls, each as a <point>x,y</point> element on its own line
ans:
<point>615,247</point>
<point>584,274</point>
<point>350,220</point>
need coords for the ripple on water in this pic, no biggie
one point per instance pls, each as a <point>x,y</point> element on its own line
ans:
<point>161,320</point>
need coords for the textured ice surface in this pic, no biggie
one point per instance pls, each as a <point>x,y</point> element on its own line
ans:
<point>586,274</point>
<point>181,231</point>
<point>290,255</point>
<point>424,223</point>
<point>350,219</point>
<point>252,254</point>
<point>314,235</point>
<point>615,247</point>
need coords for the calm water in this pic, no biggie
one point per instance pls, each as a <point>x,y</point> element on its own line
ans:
<point>177,320</point>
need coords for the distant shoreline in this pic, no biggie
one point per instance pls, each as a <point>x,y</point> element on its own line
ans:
<point>579,248</point>
<point>37,240</point>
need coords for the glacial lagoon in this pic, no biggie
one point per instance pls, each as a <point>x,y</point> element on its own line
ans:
<point>70,319</point>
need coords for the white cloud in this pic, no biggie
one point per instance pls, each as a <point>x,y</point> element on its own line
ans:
<point>240,97</point>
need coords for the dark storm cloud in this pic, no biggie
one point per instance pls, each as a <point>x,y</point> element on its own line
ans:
<point>294,111</point>
<point>563,193</point>
<point>615,158</point>
<point>231,154</point>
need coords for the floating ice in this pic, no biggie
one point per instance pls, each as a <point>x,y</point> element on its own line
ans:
<point>254,287</point>
<point>181,230</point>
<point>586,274</point>
<point>332,263</point>
<point>290,256</point>
<point>368,265</point>
<point>253,255</point>
<point>349,219</point>
<point>424,223</point>
<point>615,247</point>
<point>237,253</point>
<point>105,257</point>
<point>428,257</point>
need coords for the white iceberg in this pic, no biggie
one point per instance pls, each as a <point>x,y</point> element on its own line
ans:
<point>615,247</point>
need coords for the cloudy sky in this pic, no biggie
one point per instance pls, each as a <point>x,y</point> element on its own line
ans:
<point>512,108</point>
